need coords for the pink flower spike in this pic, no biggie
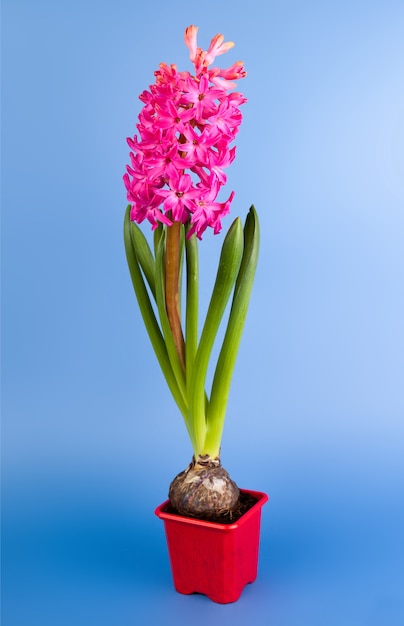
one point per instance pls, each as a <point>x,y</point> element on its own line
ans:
<point>190,41</point>
<point>182,145</point>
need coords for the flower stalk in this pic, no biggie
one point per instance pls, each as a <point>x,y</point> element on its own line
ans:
<point>172,288</point>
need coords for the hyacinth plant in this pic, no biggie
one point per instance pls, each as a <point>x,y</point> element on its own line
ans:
<point>186,129</point>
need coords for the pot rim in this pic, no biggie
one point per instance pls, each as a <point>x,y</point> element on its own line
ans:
<point>262,498</point>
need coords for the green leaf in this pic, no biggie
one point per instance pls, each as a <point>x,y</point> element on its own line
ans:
<point>227,357</point>
<point>144,255</point>
<point>228,269</point>
<point>157,236</point>
<point>149,317</point>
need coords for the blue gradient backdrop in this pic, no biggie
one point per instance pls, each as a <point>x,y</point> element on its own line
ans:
<point>91,437</point>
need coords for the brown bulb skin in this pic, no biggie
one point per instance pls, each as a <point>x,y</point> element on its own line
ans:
<point>204,491</point>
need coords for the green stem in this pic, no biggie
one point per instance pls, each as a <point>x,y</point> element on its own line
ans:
<point>171,347</point>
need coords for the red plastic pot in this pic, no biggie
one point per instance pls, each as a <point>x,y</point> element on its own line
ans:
<point>217,560</point>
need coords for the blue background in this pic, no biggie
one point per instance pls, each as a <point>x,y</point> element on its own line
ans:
<point>91,437</point>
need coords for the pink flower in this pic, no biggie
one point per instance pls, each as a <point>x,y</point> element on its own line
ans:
<point>180,197</point>
<point>145,207</point>
<point>227,118</point>
<point>198,145</point>
<point>200,57</point>
<point>202,96</point>
<point>217,46</point>
<point>209,213</point>
<point>173,117</point>
<point>219,160</point>
<point>183,145</point>
<point>190,41</point>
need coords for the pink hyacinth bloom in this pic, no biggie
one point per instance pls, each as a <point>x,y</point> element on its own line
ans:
<point>235,72</point>
<point>145,208</point>
<point>218,161</point>
<point>180,197</point>
<point>190,40</point>
<point>197,146</point>
<point>217,46</point>
<point>170,116</point>
<point>203,97</point>
<point>185,131</point>
<point>227,118</point>
<point>209,213</point>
